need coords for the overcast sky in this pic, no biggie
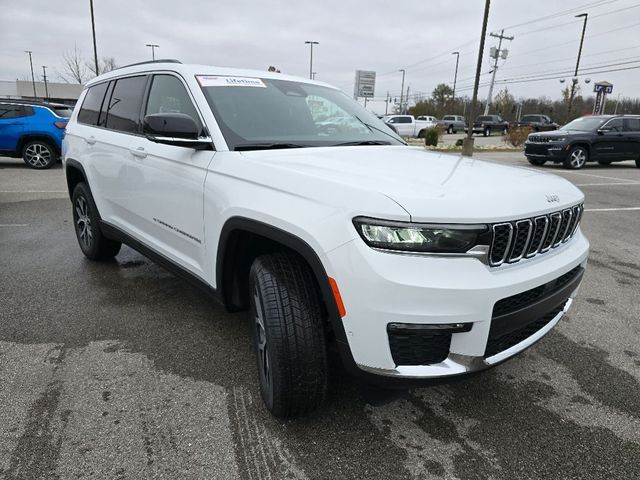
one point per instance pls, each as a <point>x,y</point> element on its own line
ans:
<point>354,34</point>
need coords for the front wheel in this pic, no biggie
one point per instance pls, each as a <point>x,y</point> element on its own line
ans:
<point>288,333</point>
<point>487,132</point>
<point>39,154</point>
<point>577,158</point>
<point>86,220</point>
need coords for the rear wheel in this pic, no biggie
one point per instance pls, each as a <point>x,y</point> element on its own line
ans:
<point>421,134</point>
<point>536,161</point>
<point>86,220</point>
<point>39,154</point>
<point>487,132</point>
<point>577,158</point>
<point>288,333</point>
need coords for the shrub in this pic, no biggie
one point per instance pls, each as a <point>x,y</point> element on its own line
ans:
<point>433,135</point>
<point>459,142</point>
<point>516,136</point>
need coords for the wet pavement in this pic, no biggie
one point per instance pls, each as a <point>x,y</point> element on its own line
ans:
<point>121,370</point>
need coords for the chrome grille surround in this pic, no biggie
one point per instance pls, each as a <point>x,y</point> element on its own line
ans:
<point>526,238</point>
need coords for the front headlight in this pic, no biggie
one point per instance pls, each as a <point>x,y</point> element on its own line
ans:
<point>421,237</point>
<point>559,140</point>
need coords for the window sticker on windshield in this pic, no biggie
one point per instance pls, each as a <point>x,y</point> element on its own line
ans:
<point>219,81</point>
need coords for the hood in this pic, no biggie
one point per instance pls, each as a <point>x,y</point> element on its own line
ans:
<point>432,187</point>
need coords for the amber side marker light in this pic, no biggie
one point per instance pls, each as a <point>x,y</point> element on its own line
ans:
<point>337,297</point>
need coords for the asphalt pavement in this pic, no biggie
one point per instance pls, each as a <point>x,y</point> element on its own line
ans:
<point>120,370</point>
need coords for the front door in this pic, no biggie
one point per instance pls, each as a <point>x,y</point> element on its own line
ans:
<point>611,142</point>
<point>167,200</point>
<point>11,125</point>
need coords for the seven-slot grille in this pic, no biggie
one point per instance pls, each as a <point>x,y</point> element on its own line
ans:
<point>513,241</point>
<point>538,139</point>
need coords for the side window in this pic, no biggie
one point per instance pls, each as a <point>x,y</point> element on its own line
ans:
<point>91,105</point>
<point>632,124</point>
<point>11,111</point>
<point>403,119</point>
<point>168,95</point>
<point>615,125</point>
<point>123,113</point>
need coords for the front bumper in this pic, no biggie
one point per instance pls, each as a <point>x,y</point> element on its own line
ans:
<point>379,288</point>
<point>548,151</point>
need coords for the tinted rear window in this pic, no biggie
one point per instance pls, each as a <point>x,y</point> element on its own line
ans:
<point>91,106</point>
<point>125,103</point>
<point>62,111</point>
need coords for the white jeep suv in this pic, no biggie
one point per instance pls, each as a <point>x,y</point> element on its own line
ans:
<point>283,197</point>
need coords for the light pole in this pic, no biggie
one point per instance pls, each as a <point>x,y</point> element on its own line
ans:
<point>455,77</point>
<point>33,78</point>
<point>402,92</point>
<point>574,80</point>
<point>467,145</point>
<point>313,75</point>
<point>95,48</point>
<point>153,50</point>
<point>311,43</point>
<point>44,77</point>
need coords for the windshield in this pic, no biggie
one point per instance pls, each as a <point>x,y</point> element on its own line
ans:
<point>63,111</point>
<point>266,113</point>
<point>584,124</point>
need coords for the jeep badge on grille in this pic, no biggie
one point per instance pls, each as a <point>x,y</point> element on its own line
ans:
<point>553,198</point>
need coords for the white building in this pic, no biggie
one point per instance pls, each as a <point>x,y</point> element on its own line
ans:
<point>58,92</point>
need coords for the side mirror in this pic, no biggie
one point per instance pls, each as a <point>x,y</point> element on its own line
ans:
<point>602,131</point>
<point>174,129</point>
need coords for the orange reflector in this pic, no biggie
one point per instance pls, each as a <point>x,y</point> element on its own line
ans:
<point>337,297</point>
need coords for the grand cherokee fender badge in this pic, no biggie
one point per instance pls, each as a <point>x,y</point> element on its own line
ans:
<point>553,198</point>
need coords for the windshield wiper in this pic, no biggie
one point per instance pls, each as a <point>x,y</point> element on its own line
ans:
<point>363,142</point>
<point>372,127</point>
<point>266,146</point>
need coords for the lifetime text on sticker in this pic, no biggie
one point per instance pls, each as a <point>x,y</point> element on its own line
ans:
<point>218,81</point>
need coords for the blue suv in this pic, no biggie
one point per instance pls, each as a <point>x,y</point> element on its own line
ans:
<point>32,130</point>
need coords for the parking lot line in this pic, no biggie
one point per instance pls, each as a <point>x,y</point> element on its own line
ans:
<point>605,184</point>
<point>33,191</point>
<point>599,176</point>
<point>14,224</point>
<point>616,209</point>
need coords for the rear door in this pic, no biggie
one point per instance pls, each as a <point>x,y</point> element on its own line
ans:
<point>632,131</point>
<point>11,125</point>
<point>167,194</point>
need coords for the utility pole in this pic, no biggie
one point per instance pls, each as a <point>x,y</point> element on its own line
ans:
<point>406,100</point>
<point>95,48</point>
<point>44,77</point>
<point>455,77</point>
<point>467,145</point>
<point>153,50</point>
<point>402,90</point>
<point>574,80</point>
<point>33,78</point>
<point>311,43</point>
<point>495,66</point>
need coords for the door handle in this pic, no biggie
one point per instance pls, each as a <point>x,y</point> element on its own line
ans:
<point>91,140</point>
<point>138,152</point>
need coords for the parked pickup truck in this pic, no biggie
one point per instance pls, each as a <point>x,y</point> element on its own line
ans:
<point>537,123</point>
<point>408,126</point>
<point>487,124</point>
<point>452,123</point>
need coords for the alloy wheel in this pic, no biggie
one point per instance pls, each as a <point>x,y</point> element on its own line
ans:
<point>83,222</point>
<point>38,155</point>
<point>578,158</point>
<point>264,366</point>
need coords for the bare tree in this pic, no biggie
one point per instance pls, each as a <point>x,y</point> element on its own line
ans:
<point>106,64</point>
<point>74,66</point>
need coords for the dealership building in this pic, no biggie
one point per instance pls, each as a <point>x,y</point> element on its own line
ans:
<point>57,92</point>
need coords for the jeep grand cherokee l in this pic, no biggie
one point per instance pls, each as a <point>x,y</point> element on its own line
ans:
<point>603,139</point>
<point>416,266</point>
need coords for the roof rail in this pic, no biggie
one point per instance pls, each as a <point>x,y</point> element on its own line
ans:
<point>163,60</point>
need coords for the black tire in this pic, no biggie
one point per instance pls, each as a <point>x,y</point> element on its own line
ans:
<point>421,134</point>
<point>487,132</point>
<point>288,334</point>
<point>86,221</point>
<point>536,161</point>
<point>638,162</point>
<point>577,158</point>
<point>39,154</point>
<point>450,130</point>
